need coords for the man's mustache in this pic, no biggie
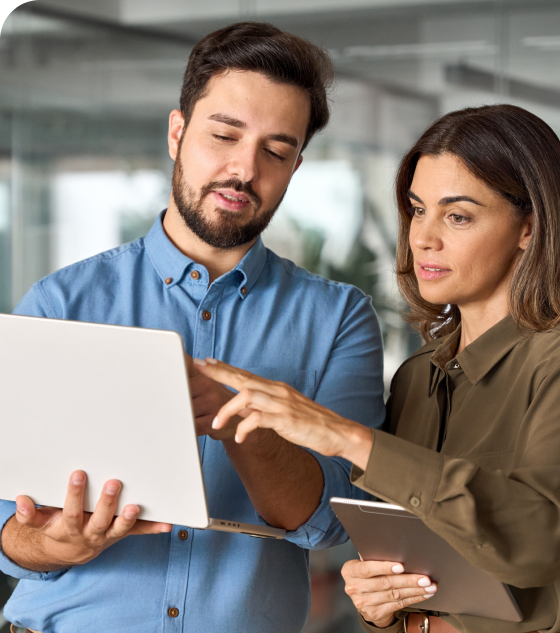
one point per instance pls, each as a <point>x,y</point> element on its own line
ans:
<point>236,185</point>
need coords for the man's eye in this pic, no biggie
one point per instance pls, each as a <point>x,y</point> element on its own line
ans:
<point>223,138</point>
<point>275,155</point>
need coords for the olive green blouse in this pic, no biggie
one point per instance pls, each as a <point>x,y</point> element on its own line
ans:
<point>473,448</point>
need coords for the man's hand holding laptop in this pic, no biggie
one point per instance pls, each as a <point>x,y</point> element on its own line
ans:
<point>58,538</point>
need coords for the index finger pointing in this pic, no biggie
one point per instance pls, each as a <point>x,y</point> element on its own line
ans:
<point>224,373</point>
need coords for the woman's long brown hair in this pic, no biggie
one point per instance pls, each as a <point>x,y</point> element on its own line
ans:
<point>517,155</point>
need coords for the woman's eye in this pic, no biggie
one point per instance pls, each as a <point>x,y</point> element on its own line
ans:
<point>418,212</point>
<point>458,219</point>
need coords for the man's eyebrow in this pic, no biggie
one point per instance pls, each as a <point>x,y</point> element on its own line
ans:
<point>229,120</point>
<point>285,138</point>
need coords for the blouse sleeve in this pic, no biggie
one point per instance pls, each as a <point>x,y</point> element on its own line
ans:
<point>507,525</point>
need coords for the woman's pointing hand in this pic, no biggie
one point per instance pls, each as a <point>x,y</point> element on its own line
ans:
<point>274,405</point>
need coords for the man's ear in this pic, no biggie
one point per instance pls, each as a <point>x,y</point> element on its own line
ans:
<point>298,163</point>
<point>526,233</point>
<point>176,127</point>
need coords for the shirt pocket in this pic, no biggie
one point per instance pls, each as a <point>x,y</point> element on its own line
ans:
<point>300,379</point>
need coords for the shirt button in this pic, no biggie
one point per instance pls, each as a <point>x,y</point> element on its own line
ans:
<point>173,612</point>
<point>415,502</point>
<point>195,274</point>
<point>243,290</point>
<point>206,315</point>
<point>183,535</point>
<point>168,280</point>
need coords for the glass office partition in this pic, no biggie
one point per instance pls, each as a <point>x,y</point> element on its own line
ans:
<point>84,167</point>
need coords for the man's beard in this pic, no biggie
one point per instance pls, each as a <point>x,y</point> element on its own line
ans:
<point>226,232</point>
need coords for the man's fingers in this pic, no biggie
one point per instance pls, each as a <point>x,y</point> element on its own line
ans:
<point>26,513</point>
<point>122,525</point>
<point>105,509</point>
<point>150,527</point>
<point>73,511</point>
<point>192,371</point>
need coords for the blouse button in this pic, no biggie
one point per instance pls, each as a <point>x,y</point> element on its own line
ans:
<point>415,502</point>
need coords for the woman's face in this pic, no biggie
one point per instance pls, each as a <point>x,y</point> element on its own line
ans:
<point>464,237</point>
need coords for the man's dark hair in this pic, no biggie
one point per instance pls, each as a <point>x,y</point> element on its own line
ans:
<point>263,48</point>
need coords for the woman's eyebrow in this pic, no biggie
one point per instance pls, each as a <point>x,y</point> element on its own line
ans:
<point>449,200</point>
<point>414,196</point>
<point>452,199</point>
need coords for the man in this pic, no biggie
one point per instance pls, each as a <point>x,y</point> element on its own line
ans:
<point>253,96</point>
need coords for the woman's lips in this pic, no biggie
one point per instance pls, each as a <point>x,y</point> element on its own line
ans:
<point>231,200</point>
<point>429,271</point>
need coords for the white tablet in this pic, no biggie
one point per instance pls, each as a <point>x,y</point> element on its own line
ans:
<point>385,532</point>
<point>112,401</point>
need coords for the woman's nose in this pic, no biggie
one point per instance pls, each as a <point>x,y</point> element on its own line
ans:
<point>426,233</point>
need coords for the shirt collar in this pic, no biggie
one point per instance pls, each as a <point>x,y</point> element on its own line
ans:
<point>167,259</point>
<point>171,264</point>
<point>483,354</point>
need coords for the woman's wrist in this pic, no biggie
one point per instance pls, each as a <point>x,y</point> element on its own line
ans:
<point>357,445</point>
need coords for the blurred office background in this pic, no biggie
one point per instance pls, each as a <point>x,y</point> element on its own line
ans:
<point>86,88</point>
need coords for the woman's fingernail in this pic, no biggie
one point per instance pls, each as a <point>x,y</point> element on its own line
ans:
<point>237,439</point>
<point>215,423</point>
<point>212,361</point>
<point>22,510</point>
<point>424,582</point>
<point>431,589</point>
<point>428,595</point>
<point>198,361</point>
<point>397,569</point>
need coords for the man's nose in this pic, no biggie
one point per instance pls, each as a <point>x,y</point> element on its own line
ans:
<point>244,163</point>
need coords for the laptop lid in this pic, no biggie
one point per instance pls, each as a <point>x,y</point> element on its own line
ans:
<point>112,401</point>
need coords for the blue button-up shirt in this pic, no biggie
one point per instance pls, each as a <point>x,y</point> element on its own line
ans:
<point>267,316</point>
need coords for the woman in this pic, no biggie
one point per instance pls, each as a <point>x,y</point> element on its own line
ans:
<point>472,437</point>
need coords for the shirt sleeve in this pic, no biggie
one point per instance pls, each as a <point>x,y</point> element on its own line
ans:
<point>396,627</point>
<point>506,525</point>
<point>35,303</point>
<point>7,566</point>
<point>352,386</point>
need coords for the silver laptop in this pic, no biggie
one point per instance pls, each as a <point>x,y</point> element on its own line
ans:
<point>110,400</point>
<point>381,531</point>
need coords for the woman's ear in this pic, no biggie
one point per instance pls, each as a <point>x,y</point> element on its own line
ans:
<point>526,232</point>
